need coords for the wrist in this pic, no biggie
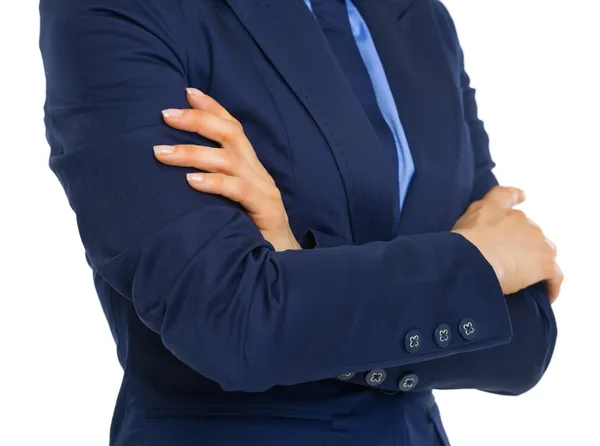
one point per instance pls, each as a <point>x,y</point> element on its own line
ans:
<point>292,243</point>
<point>285,241</point>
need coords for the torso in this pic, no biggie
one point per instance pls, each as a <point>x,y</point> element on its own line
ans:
<point>333,176</point>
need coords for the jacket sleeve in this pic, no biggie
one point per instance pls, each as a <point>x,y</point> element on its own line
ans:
<point>518,366</point>
<point>509,369</point>
<point>194,266</point>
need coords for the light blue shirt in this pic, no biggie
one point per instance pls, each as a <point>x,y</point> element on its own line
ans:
<point>385,99</point>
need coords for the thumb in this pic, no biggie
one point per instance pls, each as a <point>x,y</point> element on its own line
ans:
<point>505,197</point>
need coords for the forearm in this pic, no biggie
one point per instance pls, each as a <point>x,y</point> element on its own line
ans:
<point>507,369</point>
<point>251,318</point>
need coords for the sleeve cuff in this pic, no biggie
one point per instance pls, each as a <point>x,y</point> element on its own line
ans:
<point>472,317</point>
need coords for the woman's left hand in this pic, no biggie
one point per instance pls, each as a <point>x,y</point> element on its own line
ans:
<point>233,170</point>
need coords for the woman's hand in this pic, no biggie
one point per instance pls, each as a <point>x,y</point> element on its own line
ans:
<point>233,170</point>
<point>516,247</point>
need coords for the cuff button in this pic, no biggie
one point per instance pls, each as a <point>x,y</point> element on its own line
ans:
<point>346,376</point>
<point>412,341</point>
<point>375,377</point>
<point>467,329</point>
<point>442,335</point>
<point>408,382</point>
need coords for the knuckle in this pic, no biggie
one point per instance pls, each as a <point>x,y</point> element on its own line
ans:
<point>237,124</point>
<point>275,193</point>
<point>230,132</point>
<point>234,127</point>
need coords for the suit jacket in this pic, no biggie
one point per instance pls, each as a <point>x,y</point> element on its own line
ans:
<point>224,341</point>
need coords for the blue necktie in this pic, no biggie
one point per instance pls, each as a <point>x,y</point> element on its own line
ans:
<point>332,15</point>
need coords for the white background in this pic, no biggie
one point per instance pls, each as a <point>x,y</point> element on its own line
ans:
<point>535,65</point>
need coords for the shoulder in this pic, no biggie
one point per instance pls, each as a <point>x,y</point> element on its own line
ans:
<point>96,33</point>
<point>445,21</point>
<point>126,7</point>
<point>163,18</point>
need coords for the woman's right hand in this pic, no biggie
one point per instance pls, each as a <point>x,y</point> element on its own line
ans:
<point>516,247</point>
<point>233,171</point>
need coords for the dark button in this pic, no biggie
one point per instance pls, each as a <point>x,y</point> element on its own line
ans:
<point>408,382</point>
<point>467,329</point>
<point>375,377</point>
<point>346,376</point>
<point>442,335</point>
<point>412,341</point>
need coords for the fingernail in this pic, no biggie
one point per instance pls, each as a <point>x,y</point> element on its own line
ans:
<point>194,92</point>
<point>197,177</point>
<point>163,149</point>
<point>172,113</point>
<point>516,196</point>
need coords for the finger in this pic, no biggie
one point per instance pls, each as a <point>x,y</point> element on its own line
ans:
<point>554,285</point>
<point>505,197</point>
<point>202,101</point>
<point>227,132</point>
<point>235,188</point>
<point>210,159</point>
<point>209,125</point>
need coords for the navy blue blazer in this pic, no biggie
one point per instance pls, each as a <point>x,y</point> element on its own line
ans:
<point>224,341</point>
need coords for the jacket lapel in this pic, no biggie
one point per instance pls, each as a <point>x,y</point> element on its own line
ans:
<point>395,8</point>
<point>291,39</point>
<point>406,36</point>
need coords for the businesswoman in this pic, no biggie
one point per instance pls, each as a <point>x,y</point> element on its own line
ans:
<point>342,248</point>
